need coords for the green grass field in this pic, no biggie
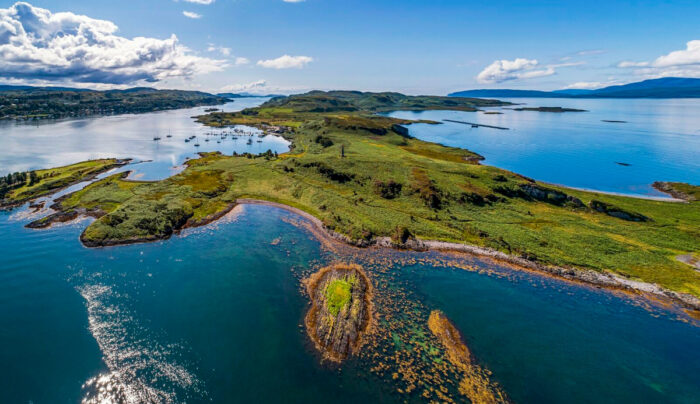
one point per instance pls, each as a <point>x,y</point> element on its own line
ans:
<point>365,178</point>
<point>52,179</point>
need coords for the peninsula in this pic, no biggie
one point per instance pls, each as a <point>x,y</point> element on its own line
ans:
<point>36,103</point>
<point>369,182</point>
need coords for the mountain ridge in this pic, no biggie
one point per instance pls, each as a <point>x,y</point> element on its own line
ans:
<point>667,87</point>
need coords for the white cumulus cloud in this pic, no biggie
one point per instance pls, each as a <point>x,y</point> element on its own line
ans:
<point>247,87</point>
<point>520,68</point>
<point>241,61</point>
<point>681,63</point>
<point>286,62</point>
<point>190,14</point>
<point>262,87</point>
<point>221,49</point>
<point>36,44</point>
<point>203,2</point>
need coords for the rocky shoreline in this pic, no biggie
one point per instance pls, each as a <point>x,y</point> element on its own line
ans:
<point>584,276</point>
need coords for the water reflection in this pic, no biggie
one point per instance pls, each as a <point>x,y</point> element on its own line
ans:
<point>26,147</point>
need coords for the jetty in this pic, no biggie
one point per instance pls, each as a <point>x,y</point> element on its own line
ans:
<point>476,125</point>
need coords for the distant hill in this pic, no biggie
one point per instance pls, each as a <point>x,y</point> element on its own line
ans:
<point>31,103</point>
<point>246,95</point>
<point>667,87</point>
<point>354,101</point>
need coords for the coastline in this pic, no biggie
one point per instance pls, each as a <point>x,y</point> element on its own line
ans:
<point>670,198</point>
<point>606,280</point>
<point>589,277</point>
<point>15,204</point>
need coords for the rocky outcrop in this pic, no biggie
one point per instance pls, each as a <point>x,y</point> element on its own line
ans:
<point>678,190</point>
<point>476,383</point>
<point>614,211</point>
<point>550,195</point>
<point>341,310</point>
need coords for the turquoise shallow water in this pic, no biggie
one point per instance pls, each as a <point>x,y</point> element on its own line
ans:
<point>660,141</point>
<point>214,315</point>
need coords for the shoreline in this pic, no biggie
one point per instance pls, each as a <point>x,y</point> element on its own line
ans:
<point>16,204</point>
<point>588,277</point>
<point>613,193</point>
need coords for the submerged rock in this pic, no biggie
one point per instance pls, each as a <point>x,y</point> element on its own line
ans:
<point>476,384</point>
<point>341,310</point>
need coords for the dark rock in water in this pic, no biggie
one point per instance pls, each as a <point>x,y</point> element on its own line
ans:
<point>341,310</point>
<point>58,217</point>
<point>623,164</point>
<point>36,206</point>
<point>614,211</point>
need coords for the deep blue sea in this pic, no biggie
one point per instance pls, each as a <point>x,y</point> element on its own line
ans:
<point>659,140</point>
<point>215,314</point>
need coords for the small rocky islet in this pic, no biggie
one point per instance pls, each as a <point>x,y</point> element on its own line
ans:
<point>341,310</point>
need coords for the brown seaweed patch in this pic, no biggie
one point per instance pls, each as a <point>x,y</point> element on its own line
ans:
<point>341,310</point>
<point>476,384</point>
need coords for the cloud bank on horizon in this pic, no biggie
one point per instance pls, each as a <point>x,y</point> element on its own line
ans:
<point>37,44</point>
<point>680,63</point>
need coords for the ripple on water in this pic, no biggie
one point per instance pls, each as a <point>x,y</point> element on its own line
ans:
<point>140,369</point>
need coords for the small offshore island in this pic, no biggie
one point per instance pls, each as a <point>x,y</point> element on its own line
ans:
<point>341,310</point>
<point>369,182</point>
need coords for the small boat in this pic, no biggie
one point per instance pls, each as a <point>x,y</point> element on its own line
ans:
<point>196,145</point>
<point>259,141</point>
<point>187,140</point>
<point>169,134</point>
<point>156,139</point>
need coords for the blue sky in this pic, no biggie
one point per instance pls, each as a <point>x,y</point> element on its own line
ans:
<point>429,47</point>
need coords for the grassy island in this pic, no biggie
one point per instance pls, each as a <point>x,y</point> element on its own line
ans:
<point>367,180</point>
<point>20,187</point>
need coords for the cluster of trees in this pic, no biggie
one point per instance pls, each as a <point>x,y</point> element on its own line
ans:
<point>324,141</point>
<point>16,180</point>
<point>268,155</point>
